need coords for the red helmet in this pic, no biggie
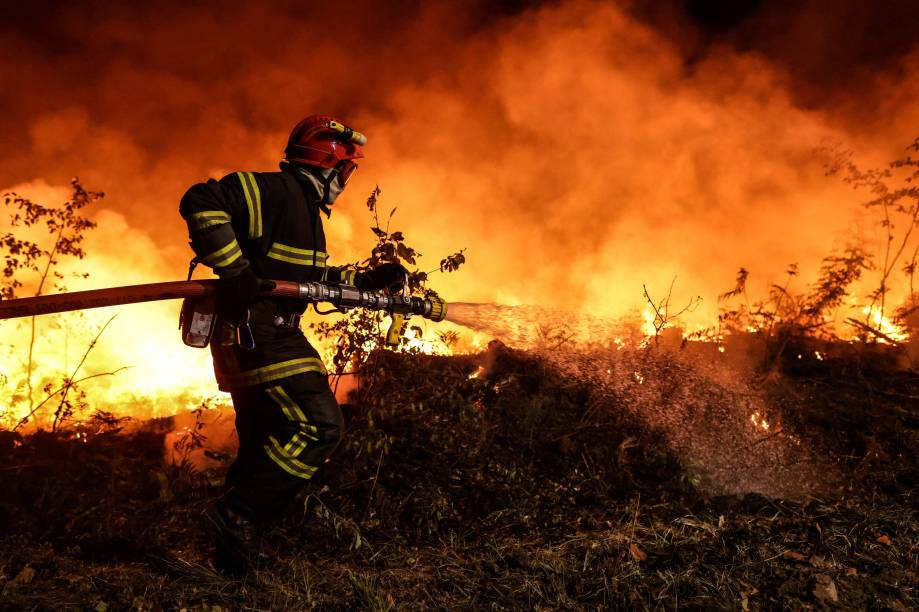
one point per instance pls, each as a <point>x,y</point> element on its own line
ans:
<point>324,142</point>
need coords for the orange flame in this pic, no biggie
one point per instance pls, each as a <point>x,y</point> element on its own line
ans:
<point>573,150</point>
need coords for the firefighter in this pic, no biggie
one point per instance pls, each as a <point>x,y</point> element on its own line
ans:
<point>250,227</point>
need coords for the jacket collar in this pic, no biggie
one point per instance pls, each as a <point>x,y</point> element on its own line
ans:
<point>310,186</point>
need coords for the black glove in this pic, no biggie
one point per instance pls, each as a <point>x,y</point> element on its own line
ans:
<point>385,276</point>
<point>241,290</point>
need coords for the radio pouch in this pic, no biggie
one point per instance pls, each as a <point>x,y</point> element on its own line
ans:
<point>197,320</point>
<point>198,316</point>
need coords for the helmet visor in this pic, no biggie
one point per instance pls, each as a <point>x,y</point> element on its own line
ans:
<point>345,169</point>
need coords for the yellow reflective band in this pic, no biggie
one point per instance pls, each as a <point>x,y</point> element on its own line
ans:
<point>348,277</point>
<point>295,251</point>
<point>289,464</point>
<point>205,223</point>
<point>298,444</point>
<point>277,371</point>
<point>289,406</point>
<point>300,257</point>
<point>258,207</point>
<point>285,407</point>
<point>284,465</point>
<point>293,460</point>
<point>207,218</point>
<point>320,263</point>
<point>223,257</point>
<point>219,214</point>
<point>253,202</point>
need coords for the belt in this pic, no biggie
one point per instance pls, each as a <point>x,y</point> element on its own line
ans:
<point>291,320</point>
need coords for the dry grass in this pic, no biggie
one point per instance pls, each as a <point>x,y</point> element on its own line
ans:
<point>517,490</point>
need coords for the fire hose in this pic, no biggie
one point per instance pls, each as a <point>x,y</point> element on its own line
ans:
<point>341,297</point>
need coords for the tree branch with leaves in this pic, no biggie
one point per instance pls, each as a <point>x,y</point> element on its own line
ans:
<point>360,332</point>
<point>67,227</point>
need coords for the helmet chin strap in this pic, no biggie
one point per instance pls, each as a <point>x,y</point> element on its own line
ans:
<point>324,181</point>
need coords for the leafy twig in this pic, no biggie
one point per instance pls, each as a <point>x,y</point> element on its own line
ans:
<point>60,413</point>
<point>26,418</point>
<point>662,317</point>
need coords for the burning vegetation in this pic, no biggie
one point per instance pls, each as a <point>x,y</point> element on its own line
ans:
<point>603,421</point>
<point>601,462</point>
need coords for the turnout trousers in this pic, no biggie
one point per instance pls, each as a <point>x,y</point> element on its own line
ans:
<point>287,428</point>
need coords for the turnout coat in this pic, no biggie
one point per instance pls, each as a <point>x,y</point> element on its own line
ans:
<point>271,222</point>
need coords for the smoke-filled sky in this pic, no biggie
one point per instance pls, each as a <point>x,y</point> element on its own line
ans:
<point>576,149</point>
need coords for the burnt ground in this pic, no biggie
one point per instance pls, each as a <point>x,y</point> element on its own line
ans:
<point>521,488</point>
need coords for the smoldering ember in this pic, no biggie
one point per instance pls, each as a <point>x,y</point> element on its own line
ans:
<point>473,305</point>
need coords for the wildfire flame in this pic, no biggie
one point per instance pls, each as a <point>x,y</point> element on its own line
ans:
<point>492,140</point>
<point>884,325</point>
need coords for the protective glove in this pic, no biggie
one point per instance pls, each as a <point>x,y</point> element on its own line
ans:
<point>241,290</point>
<point>385,276</point>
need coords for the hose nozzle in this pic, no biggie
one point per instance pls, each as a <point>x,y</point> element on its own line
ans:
<point>438,309</point>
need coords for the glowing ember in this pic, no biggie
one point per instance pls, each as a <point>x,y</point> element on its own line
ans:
<point>759,422</point>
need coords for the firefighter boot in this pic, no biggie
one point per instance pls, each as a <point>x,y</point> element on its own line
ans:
<point>236,541</point>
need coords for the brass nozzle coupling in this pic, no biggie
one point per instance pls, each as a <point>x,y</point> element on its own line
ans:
<point>433,308</point>
<point>438,309</point>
